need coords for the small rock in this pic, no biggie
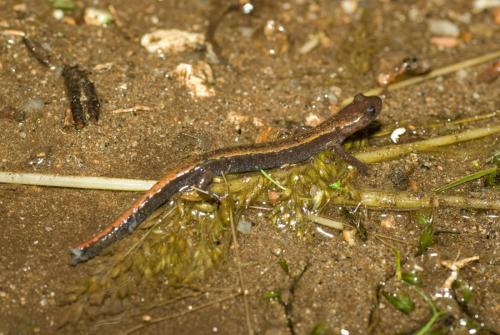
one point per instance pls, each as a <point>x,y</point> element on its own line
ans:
<point>41,157</point>
<point>171,41</point>
<point>389,222</point>
<point>480,5</point>
<point>349,6</point>
<point>58,14</point>
<point>32,107</point>
<point>396,133</point>
<point>443,28</point>
<point>311,43</point>
<point>22,7</point>
<point>244,226</point>
<point>462,74</point>
<point>414,14</point>
<point>237,118</point>
<point>277,251</point>
<point>97,17</point>
<point>273,196</point>
<point>445,42</point>
<point>312,120</point>
<point>258,122</point>
<point>196,78</point>
<point>348,236</point>
<point>399,179</point>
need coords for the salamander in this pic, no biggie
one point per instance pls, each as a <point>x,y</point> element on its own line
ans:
<point>200,169</point>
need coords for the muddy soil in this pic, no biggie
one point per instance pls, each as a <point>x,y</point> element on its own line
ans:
<point>266,77</point>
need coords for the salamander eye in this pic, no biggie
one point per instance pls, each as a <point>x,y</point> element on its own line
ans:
<point>370,110</point>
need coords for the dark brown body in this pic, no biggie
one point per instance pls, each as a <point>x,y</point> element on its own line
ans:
<point>200,170</point>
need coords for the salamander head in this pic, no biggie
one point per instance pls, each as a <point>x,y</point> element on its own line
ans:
<point>353,117</point>
<point>369,106</point>
<point>358,114</point>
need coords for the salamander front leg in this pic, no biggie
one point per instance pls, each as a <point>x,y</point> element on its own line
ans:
<point>351,160</point>
<point>204,185</point>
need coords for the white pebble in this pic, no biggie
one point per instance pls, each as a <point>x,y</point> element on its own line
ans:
<point>312,120</point>
<point>396,133</point>
<point>349,6</point>
<point>414,14</point>
<point>171,41</point>
<point>462,74</point>
<point>443,28</point>
<point>310,44</point>
<point>480,5</point>
<point>58,14</point>
<point>97,17</point>
<point>196,78</point>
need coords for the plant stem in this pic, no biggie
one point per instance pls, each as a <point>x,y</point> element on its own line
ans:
<point>394,151</point>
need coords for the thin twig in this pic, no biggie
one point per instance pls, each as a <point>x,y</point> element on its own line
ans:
<point>406,200</point>
<point>85,182</point>
<point>395,151</point>
<point>138,108</point>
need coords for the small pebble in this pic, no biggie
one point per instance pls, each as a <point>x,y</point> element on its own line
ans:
<point>58,14</point>
<point>349,6</point>
<point>247,8</point>
<point>462,74</point>
<point>414,14</point>
<point>396,134</point>
<point>443,28</point>
<point>348,236</point>
<point>236,118</point>
<point>40,157</point>
<point>277,251</point>
<point>445,42</point>
<point>389,222</point>
<point>480,5</point>
<point>97,17</point>
<point>312,120</point>
<point>273,196</point>
<point>310,44</point>
<point>196,78</point>
<point>244,226</point>
<point>399,179</point>
<point>32,105</point>
<point>171,41</point>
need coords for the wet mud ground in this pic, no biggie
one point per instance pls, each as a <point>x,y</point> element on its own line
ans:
<point>40,224</point>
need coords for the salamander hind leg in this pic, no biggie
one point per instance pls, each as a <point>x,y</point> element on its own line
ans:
<point>351,160</point>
